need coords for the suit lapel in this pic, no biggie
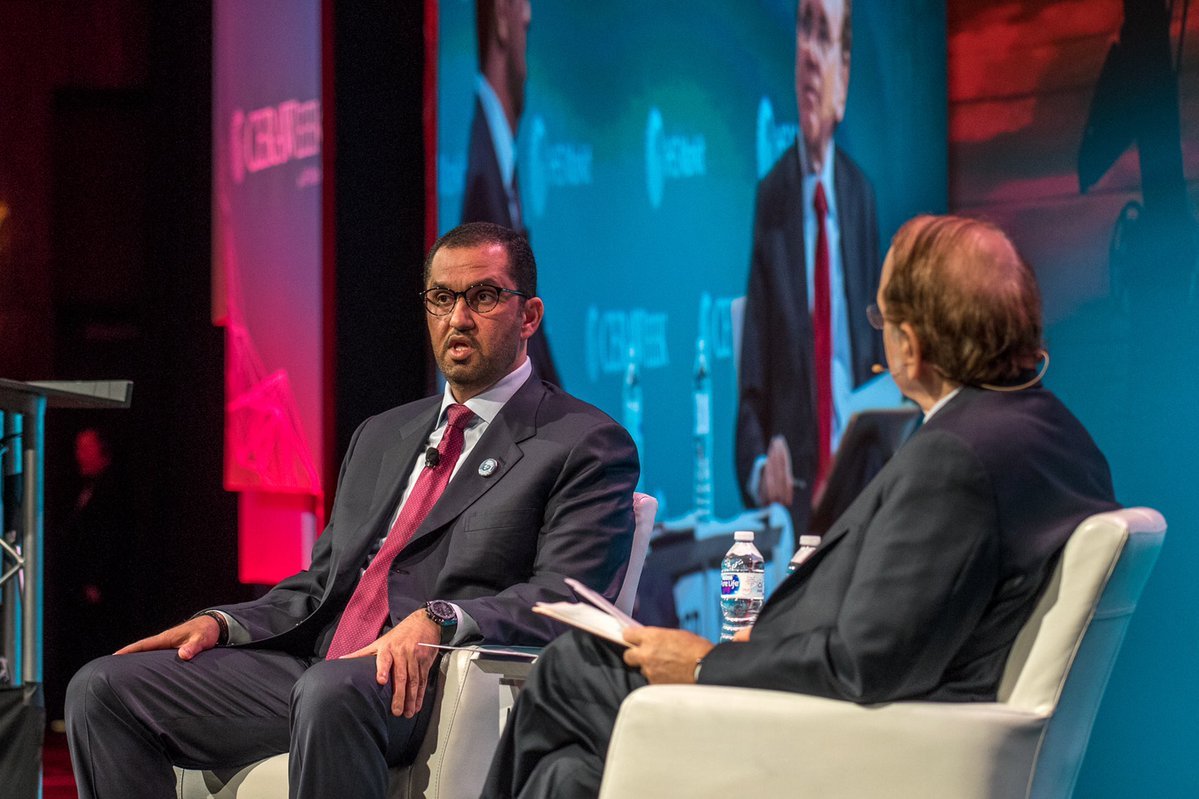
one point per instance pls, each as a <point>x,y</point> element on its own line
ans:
<point>501,443</point>
<point>797,272</point>
<point>394,468</point>
<point>857,275</point>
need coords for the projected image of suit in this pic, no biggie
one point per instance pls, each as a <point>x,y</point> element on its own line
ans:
<point>814,266</point>
<point>492,192</point>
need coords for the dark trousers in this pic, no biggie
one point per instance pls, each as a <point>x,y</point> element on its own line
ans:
<point>557,736</point>
<point>130,718</point>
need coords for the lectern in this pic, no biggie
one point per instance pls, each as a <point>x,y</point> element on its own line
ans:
<point>22,418</point>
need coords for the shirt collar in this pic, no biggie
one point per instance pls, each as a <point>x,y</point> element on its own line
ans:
<point>488,404</point>
<point>502,138</point>
<point>939,404</point>
<point>825,175</point>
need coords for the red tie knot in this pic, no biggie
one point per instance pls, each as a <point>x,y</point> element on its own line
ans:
<point>459,416</point>
<point>820,202</point>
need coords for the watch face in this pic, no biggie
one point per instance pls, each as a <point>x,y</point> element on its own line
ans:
<point>441,612</point>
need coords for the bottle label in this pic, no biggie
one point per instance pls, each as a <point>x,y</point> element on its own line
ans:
<point>742,585</point>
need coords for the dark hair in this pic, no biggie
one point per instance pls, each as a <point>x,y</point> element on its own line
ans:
<point>485,25</point>
<point>522,268</point>
<point>972,300</point>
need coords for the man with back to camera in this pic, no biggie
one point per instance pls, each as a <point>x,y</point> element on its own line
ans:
<point>806,340</point>
<point>919,589</point>
<point>491,193</point>
<point>537,487</point>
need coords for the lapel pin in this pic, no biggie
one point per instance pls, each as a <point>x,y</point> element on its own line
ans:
<point>488,467</point>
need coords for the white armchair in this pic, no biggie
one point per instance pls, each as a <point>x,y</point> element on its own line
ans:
<point>718,741</point>
<point>475,692</point>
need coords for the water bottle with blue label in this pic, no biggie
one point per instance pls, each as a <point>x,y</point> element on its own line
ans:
<point>742,585</point>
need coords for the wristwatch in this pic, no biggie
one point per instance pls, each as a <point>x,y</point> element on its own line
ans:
<point>441,613</point>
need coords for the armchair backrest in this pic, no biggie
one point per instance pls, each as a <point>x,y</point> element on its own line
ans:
<point>645,508</point>
<point>1061,661</point>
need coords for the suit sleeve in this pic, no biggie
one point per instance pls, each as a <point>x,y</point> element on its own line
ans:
<point>586,533</point>
<point>754,389</point>
<point>921,580</point>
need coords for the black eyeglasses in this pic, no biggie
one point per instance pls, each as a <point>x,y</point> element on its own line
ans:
<point>480,298</point>
<point>874,316</point>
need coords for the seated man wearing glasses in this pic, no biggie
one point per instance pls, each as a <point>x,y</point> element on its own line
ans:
<point>918,590</point>
<point>453,515</point>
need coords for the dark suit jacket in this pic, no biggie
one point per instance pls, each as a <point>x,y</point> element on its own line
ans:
<point>777,386</point>
<point>486,200</point>
<point>559,505</point>
<point>920,588</point>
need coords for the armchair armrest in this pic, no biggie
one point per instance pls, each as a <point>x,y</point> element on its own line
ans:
<point>793,743</point>
<point>476,693</point>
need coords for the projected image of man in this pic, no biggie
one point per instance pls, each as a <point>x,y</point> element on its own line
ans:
<point>815,263</point>
<point>492,192</point>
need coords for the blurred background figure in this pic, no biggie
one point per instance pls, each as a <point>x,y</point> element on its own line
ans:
<point>492,192</point>
<point>807,344</point>
<point>89,579</point>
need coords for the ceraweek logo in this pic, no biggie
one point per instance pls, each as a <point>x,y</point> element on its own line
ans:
<point>670,157</point>
<point>611,334</point>
<point>557,164</point>
<point>273,135</point>
<point>772,138</point>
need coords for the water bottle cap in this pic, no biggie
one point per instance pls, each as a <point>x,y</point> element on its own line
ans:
<point>809,540</point>
<point>743,535</point>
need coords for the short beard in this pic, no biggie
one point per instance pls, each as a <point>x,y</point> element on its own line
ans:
<point>479,376</point>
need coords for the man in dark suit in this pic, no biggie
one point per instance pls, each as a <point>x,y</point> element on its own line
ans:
<point>806,341</point>
<point>492,193</point>
<point>453,515</point>
<point>919,589</point>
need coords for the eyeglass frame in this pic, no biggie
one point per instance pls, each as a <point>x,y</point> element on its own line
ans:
<point>500,291</point>
<point>822,37</point>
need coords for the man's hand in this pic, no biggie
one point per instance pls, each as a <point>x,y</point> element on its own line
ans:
<point>778,481</point>
<point>190,638</point>
<point>665,656</point>
<point>399,658</point>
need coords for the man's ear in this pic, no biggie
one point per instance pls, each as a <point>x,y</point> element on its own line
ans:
<point>501,16</point>
<point>910,350</point>
<point>843,89</point>
<point>532,314</point>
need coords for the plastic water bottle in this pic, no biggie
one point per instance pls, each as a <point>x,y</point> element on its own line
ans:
<point>702,429</point>
<point>742,585</point>
<point>807,545</point>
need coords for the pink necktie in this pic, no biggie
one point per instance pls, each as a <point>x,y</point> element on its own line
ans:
<point>822,339</point>
<point>368,608</point>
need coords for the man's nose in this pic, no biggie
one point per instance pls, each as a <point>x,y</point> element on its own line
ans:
<point>461,316</point>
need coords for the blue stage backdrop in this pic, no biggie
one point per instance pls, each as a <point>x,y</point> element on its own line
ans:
<point>644,131</point>
<point>1075,127</point>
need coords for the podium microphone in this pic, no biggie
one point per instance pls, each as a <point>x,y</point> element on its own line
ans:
<point>432,458</point>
